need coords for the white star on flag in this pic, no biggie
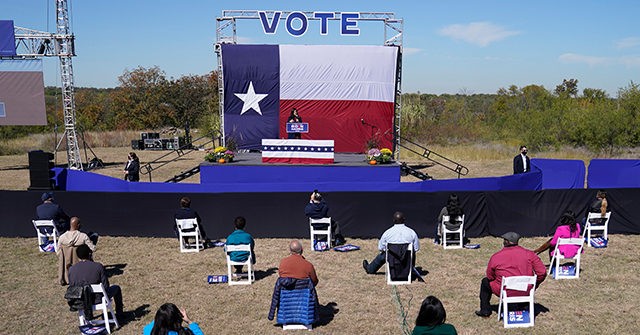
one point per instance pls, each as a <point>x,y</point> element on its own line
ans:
<point>250,100</point>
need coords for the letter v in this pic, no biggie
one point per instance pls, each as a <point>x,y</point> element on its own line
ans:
<point>269,28</point>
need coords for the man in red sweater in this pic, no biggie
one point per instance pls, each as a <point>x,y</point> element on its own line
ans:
<point>512,260</point>
<point>296,266</point>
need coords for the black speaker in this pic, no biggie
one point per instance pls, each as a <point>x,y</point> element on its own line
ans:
<point>41,174</point>
<point>137,144</point>
<point>149,136</point>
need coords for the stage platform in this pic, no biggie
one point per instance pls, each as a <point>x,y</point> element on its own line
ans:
<point>247,174</point>
<point>249,168</point>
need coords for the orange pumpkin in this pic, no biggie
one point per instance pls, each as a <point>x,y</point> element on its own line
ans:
<point>373,162</point>
<point>221,161</point>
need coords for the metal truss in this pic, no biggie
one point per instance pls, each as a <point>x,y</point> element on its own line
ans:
<point>226,32</point>
<point>35,44</point>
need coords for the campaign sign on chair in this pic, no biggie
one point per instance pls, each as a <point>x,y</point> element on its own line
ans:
<point>321,245</point>
<point>566,270</point>
<point>518,317</point>
<point>598,242</point>
<point>93,330</point>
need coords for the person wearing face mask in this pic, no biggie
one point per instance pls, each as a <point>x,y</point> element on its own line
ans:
<point>132,169</point>
<point>521,163</point>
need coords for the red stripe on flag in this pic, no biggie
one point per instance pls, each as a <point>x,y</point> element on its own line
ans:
<point>341,121</point>
<point>294,160</point>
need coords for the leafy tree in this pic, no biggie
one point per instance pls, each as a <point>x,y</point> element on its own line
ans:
<point>191,97</point>
<point>568,88</point>
<point>139,101</point>
<point>594,94</point>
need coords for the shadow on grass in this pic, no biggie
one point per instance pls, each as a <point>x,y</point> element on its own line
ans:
<point>135,315</point>
<point>265,274</point>
<point>114,269</point>
<point>326,313</point>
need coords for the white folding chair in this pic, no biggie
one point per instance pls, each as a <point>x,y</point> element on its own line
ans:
<point>250,275</point>
<point>188,228</point>
<point>517,283</point>
<point>558,256</point>
<point>403,281</point>
<point>603,226</point>
<point>320,232</point>
<point>105,306</point>
<point>46,236</point>
<point>457,243</point>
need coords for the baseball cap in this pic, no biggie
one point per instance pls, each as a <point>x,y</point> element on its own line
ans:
<point>46,196</point>
<point>511,237</point>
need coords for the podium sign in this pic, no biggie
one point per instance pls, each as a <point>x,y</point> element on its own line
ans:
<point>297,127</point>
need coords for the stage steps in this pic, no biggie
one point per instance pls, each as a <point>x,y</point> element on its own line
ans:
<point>184,175</point>
<point>186,149</point>
<point>437,158</point>
<point>408,170</point>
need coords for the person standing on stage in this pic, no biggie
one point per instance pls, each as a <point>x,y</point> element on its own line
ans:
<point>521,162</point>
<point>294,117</point>
<point>132,169</point>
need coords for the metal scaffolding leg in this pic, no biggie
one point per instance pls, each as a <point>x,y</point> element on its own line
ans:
<point>64,44</point>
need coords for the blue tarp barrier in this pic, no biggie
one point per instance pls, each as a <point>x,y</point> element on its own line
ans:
<point>560,173</point>
<point>614,173</point>
<point>90,182</point>
<point>258,174</point>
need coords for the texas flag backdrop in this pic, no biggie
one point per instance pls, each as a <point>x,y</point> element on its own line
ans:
<point>334,88</point>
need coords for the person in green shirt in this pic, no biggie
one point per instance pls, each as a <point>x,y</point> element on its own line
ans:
<point>431,318</point>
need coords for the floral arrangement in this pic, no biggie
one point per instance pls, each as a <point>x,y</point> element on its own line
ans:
<point>219,155</point>
<point>379,156</point>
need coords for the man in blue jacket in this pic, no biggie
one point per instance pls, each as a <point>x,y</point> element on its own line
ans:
<point>317,208</point>
<point>49,210</point>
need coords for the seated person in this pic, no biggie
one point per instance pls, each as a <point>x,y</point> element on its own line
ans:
<point>599,205</point>
<point>431,318</point>
<point>296,266</point>
<point>88,272</point>
<point>453,210</point>
<point>568,228</point>
<point>317,208</point>
<point>185,212</point>
<point>295,273</point>
<point>68,242</point>
<point>168,320</point>
<point>512,260</point>
<point>239,236</point>
<point>398,233</point>
<point>49,210</point>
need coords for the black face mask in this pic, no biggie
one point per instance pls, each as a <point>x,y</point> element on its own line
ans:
<point>524,152</point>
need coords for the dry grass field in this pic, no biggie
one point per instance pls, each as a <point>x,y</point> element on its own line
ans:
<point>153,271</point>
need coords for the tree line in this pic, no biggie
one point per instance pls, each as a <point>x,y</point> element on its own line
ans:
<point>146,99</point>
<point>530,115</point>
